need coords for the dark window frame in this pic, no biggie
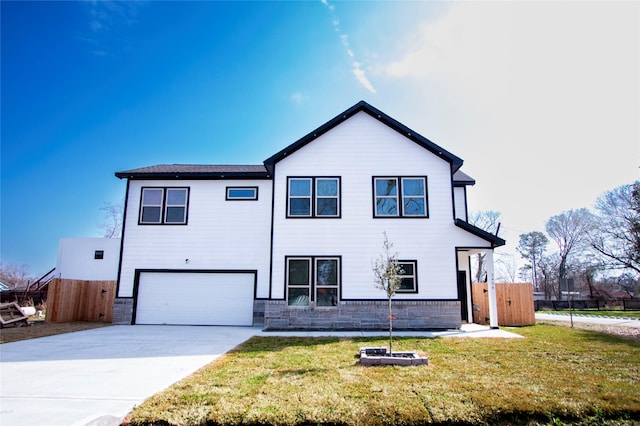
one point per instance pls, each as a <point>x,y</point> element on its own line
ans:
<point>164,206</point>
<point>228,197</point>
<point>414,276</point>
<point>98,255</point>
<point>314,197</point>
<point>313,286</point>
<point>399,197</point>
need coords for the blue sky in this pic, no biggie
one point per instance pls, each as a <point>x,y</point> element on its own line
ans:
<point>541,99</point>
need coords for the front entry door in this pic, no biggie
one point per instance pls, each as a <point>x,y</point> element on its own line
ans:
<point>462,295</point>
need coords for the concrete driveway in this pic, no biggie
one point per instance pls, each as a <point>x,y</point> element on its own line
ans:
<point>95,377</point>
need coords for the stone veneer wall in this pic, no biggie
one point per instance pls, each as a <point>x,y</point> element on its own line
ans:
<point>122,311</point>
<point>348,315</point>
<point>362,315</point>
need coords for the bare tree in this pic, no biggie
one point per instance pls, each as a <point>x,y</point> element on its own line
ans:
<point>113,215</point>
<point>506,268</point>
<point>17,276</point>
<point>617,228</point>
<point>387,277</point>
<point>532,247</point>
<point>548,278</point>
<point>570,230</point>
<point>488,221</point>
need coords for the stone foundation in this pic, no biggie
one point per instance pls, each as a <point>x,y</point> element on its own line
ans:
<point>363,315</point>
<point>348,315</point>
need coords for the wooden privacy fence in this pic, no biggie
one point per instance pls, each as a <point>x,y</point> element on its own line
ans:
<point>515,304</point>
<point>77,300</point>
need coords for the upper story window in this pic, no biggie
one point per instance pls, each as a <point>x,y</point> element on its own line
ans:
<point>242,193</point>
<point>166,206</point>
<point>313,197</point>
<point>400,196</point>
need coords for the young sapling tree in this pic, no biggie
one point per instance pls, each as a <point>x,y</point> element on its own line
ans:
<point>387,277</point>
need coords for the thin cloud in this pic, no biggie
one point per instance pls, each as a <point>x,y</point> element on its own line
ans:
<point>107,14</point>
<point>107,21</point>
<point>357,67</point>
<point>539,103</point>
<point>297,98</point>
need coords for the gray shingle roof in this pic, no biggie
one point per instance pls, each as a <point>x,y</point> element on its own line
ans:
<point>461,178</point>
<point>195,171</point>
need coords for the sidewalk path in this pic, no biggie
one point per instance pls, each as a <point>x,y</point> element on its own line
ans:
<point>590,320</point>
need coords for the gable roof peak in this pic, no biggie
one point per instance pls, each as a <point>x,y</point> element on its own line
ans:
<point>363,106</point>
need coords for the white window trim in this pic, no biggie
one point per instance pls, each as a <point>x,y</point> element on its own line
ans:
<point>423,196</point>
<point>291,197</point>
<point>389,197</point>
<point>313,197</point>
<point>400,197</point>
<point>167,205</point>
<point>319,197</point>
<point>164,205</point>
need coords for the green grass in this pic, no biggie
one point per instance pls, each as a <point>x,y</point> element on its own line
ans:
<point>594,312</point>
<point>555,375</point>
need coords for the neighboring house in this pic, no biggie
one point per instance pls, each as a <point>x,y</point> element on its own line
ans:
<point>290,244</point>
<point>89,259</point>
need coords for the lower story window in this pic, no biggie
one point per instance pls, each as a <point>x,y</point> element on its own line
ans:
<point>313,281</point>
<point>409,283</point>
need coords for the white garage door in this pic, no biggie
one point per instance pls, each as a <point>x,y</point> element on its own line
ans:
<point>186,298</point>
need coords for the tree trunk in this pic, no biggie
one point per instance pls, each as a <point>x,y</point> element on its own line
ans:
<point>390,328</point>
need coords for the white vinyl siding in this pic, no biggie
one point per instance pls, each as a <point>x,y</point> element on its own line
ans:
<point>220,235</point>
<point>460,200</point>
<point>358,150</point>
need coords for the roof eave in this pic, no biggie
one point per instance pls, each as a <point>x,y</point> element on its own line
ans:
<point>464,182</point>
<point>192,175</point>
<point>487,236</point>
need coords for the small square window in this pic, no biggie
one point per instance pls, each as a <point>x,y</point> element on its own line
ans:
<point>98,254</point>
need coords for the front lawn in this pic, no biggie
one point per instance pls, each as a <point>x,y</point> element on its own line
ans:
<point>555,375</point>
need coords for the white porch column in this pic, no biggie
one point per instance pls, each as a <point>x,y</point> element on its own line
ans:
<point>491,285</point>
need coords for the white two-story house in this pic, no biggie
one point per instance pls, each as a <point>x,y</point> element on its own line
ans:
<point>290,244</point>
